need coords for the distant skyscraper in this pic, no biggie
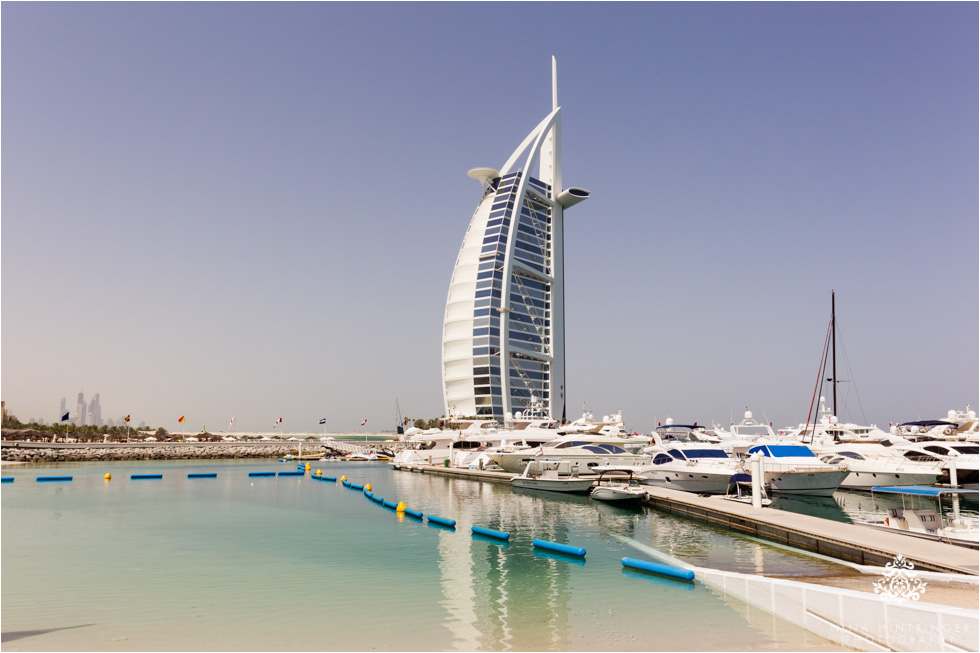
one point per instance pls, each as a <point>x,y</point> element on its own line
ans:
<point>503,341</point>
<point>95,411</point>
<point>62,409</point>
<point>80,410</point>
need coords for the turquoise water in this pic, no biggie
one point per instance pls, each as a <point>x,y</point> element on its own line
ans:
<point>289,563</point>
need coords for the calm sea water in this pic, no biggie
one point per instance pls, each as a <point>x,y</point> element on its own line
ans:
<point>289,563</point>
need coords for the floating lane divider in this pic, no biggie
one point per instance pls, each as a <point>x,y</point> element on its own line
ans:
<point>211,475</point>
<point>489,532</point>
<point>444,522</point>
<point>355,486</point>
<point>145,476</point>
<point>7,479</point>
<point>261,473</point>
<point>389,504</point>
<point>560,548</point>
<point>413,513</point>
<point>296,473</point>
<point>656,568</point>
<point>53,478</point>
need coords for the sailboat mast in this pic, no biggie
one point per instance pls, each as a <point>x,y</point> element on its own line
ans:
<point>833,348</point>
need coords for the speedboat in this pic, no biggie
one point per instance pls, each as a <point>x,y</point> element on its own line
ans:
<point>553,476</point>
<point>795,469</point>
<point>927,523</point>
<point>618,489</point>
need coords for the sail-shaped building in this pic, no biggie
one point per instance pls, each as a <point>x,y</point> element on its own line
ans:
<point>503,340</point>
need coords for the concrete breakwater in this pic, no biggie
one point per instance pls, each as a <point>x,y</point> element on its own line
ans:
<point>18,452</point>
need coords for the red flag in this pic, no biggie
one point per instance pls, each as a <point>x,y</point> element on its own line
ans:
<point>181,419</point>
<point>127,419</point>
<point>364,422</point>
<point>278,421</point>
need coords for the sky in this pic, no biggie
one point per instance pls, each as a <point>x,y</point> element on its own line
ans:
<point>254,209</point>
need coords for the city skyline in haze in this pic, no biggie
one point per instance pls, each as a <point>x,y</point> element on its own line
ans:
<point>254,210</point>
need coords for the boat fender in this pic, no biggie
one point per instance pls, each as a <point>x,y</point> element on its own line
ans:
<point>560,548</point>
<point>655,568</point>
<point>500,535</point>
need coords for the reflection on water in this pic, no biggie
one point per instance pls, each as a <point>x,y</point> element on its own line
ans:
<point>251,563</point>
<point>823,507</point>
<point>851,506</point>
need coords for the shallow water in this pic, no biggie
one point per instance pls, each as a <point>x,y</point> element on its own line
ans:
<point>289,563</point>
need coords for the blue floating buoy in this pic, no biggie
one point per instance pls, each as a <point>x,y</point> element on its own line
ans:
<point>355,486</point>
<point>297,473</point>
<point>444,522</point>
<point>656,568</point>
<point>560,548</point>
<point>489,532</point>
<point>144,476</point>
<point>53,478</point>
<point>261,473</point>
<point>414,513</point>
<point>7,479</point>
<point>389,504</point>
<point>211,475</point>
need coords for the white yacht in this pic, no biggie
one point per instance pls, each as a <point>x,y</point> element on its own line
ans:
<point>871,464</point>
<point>553,476</point>
<point>828,430</point>
<point>966,461</point>
<point>794,469</point>
<point>587,451</point>
<point>748,430</point>
<point>702,468</point>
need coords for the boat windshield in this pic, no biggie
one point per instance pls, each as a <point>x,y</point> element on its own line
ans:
<point>603,448</point>
<point>850,454</point>
<point>783,451</point>
<point>966,449</point>
<point>705,453</point>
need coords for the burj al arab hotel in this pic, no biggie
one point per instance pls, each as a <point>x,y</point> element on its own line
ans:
<point>503,339</point>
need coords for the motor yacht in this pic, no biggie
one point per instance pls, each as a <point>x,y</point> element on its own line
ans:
<point>702,468</point>
<point>828,430</point>
<point>965,456</point>
<point>553,476</point>
<point>587,452</point>
<point>872,464</point>
<point>618,489</point>
<point>794,469</point>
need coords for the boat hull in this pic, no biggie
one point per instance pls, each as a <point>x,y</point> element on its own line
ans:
<point>568,486</point>
<point>868,480</point>
<point>687,481</point>
<point>603,493</point>
<point>815,484</point>
<point>516,462</point>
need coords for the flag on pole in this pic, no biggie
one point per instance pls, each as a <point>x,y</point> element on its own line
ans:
<point>405,422</point>
<point>181,419</point>
<point>126,420</point>
<point>230,422</point>
<point>64,418</point>
<point>364,422</point>
<point>278,421</point>
<point>323,421</point>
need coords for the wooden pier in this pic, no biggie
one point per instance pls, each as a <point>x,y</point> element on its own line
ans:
<point>851,542</point>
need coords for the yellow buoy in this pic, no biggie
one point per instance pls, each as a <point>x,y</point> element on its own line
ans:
<point>319,472</point>
<point>343,478</point>
<point>307,466</point>
<point>400,507</point>
<point>108,477</point>
<point>367,488</point>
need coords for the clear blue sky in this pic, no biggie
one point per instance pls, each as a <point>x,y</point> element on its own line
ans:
<point>254,209</point>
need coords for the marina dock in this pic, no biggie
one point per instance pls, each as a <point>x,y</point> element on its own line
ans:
<point>851,542</point>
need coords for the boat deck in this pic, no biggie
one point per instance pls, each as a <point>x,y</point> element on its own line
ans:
<point>851,542</point>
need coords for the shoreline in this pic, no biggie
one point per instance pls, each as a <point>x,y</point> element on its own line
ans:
<point>13,453</point>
